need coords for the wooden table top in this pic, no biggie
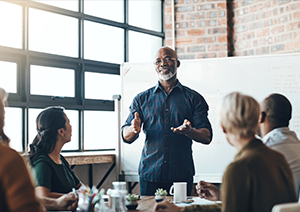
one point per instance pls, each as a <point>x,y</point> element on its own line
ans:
<point>147,204</point>
<point>81,158</point>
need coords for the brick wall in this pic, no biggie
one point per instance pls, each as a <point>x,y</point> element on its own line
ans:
<point>200,28</point>
<point>266,27</point>
<point>259,27</point>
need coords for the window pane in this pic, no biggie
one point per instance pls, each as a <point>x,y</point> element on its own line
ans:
<point>101,86</point>
<point>10,25</point>
<point>52,81</point>
<point>13,127</point>
<point>145,14</point>
<point>103,43</point>
<point>73,117</point>
<point>149,43</point>
<point>99,130</point>
<point>8,76</point>
<point>65,4</point>
<point>112,10</point>
<point>53,33</point>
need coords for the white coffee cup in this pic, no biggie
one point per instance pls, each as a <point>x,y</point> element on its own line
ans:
<point>179,191</point>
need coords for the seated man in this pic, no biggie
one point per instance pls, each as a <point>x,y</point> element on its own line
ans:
<point>276,112</point>
<point>257,179</point>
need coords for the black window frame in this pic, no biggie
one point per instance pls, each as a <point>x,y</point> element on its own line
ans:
<point>25,58</point>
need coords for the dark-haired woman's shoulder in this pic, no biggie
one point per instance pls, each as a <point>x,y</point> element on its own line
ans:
<point>42,158</point>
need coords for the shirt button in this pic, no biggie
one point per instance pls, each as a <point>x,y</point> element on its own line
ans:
<point>167,109</point>
<point>165,161</point>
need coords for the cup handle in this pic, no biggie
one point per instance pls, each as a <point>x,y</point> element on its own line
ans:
<point>171,190</point>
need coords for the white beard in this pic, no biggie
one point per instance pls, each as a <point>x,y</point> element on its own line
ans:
<point>166,77</point>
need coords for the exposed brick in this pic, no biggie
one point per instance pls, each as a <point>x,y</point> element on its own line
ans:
<point>222,13</point>
<point>185,9</point>
<point>207,6</point>
<point>222,5</point>
<point>213,14</point>
<point>168,26</point>
<point>217,47</point>
<point>207,55</point>
<point>206,39</point>
<point>241,28</point>
<point>278,47</point>
<point>194,16</point>
<point>168,10</point>
<point>180,33</point>
<point>185,41</point>
<point>186,57</point>
<point>168,34</point>
<point>222,38</point>
<point>222,54</point>
<point>202,23</point>
<point>280,2</point>
<point>169,42</point>
<point>297,15</point>
<point>196,49</point>
<point>222,22</point>
<point>195,32</point>
<point>179,17</point>
<point>247,2</point>
<point>212,23</point>
<point>293,45</point>
<point>168,18</point>
<point>180,50</point>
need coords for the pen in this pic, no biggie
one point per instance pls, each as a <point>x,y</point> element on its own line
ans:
<point>74,191</point>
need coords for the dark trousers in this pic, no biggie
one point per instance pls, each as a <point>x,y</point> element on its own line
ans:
<point>149,188</point>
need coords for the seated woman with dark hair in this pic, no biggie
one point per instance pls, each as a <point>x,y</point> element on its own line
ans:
<point>53,174</point>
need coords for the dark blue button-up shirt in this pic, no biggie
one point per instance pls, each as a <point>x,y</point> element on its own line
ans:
<point>167,156</point>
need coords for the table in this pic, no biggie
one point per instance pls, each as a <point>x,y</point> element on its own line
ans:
<point>147,203</point>
<point>90,158</point>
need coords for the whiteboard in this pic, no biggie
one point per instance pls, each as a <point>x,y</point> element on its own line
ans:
<point>257,76</point>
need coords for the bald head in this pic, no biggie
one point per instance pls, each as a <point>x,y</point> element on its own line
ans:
<point>278,110</point>
<point>167,50</point>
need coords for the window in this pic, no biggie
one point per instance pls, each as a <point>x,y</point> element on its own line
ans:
<point>11,21</point>
<point>52,81</point>
<point>68,53</point>
<point>8,76</point>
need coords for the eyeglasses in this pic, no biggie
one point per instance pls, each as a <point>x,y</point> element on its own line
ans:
<point>166,60</point>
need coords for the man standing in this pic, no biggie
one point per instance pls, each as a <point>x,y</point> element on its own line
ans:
<point>167,153</point>
<point>276,112</point>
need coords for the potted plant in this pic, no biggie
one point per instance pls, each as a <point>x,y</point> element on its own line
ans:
<point>131,201</point>
<point>160,194</point>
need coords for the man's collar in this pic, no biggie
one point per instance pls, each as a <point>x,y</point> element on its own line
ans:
<point>178,84</point>
<point>272,132</point>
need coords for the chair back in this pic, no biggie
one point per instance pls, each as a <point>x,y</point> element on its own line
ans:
<point>287,207</point>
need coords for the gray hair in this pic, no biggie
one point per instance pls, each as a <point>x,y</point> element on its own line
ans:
<point>239,114</point>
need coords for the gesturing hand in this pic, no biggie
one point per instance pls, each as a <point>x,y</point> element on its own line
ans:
<point>184,128</point>
<point>208,191</point>
<point>136,123</point>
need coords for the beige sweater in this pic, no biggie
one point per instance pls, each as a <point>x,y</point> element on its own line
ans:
<point>255,181</point>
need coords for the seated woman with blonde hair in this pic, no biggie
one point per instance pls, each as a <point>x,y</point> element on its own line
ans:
<point>53,174</point>
<point>257,179</point>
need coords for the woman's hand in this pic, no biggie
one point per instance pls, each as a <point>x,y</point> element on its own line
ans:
<point>208,191</point>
